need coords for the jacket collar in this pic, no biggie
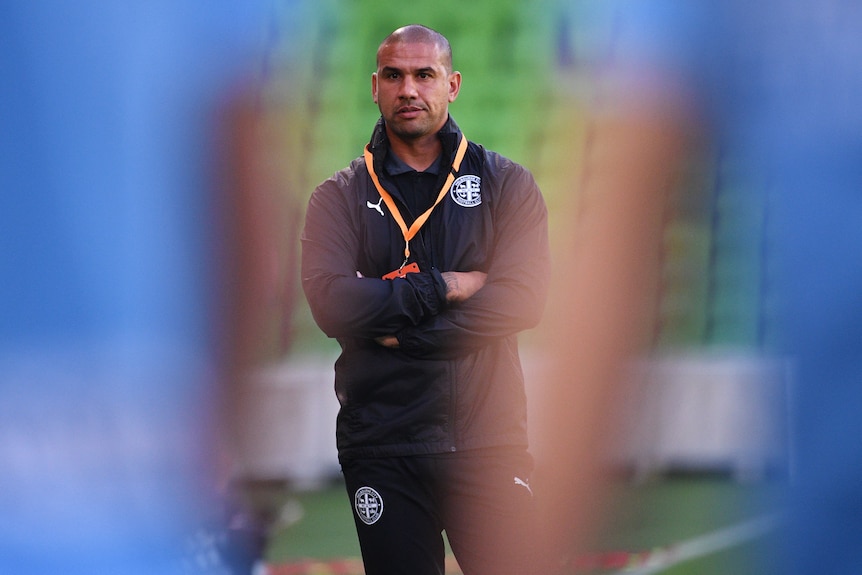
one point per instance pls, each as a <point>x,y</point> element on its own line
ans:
<point>395,166</point>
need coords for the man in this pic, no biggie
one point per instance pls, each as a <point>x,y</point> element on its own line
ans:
<point>432,429</point>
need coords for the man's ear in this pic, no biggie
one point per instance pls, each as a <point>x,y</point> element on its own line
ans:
<point>374,86</point>
<point>454,85</point>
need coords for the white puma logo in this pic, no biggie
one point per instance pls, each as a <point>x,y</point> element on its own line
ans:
<point>376,206</point>
<point>519,481</point>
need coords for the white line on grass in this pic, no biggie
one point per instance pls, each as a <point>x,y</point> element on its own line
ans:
<point>703,545</point>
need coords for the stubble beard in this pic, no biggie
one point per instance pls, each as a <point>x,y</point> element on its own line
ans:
<point>406,135</point>
<point>408,131</point>
<point>413,130</point>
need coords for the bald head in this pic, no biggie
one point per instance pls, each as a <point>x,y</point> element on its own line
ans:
<point>418,34</point>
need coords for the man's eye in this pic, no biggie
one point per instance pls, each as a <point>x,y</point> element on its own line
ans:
<point>393,75</point>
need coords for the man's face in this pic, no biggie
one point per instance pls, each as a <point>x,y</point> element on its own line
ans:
<point>413,88</point>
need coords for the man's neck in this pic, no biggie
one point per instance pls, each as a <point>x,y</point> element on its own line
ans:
<point>418,154</point>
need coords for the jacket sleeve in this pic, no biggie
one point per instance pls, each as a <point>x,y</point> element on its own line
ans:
<point>513,297</point>
<point>342,304</point>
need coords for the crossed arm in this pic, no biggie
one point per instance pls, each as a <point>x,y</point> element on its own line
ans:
<point>460,286</point>
<point>430,313</point>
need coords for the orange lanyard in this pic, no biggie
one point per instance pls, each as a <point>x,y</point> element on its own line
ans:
<point>410,232</point>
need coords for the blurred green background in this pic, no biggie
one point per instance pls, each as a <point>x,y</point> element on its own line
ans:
<point>523,95</point>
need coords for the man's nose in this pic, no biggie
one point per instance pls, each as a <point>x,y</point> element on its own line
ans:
<point>408,87</point>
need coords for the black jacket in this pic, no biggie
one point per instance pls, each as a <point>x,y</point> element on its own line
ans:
<point>456,382</point>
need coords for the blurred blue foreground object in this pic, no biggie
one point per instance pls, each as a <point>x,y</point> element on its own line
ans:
<point>110,280</point>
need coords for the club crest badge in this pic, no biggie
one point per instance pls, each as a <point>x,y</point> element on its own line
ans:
<point>467,191</point>
<point>368,505</point>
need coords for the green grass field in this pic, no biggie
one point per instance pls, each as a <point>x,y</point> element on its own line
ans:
<point>654,516</point>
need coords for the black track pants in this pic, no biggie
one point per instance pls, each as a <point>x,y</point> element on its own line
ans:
<point>481,499</point>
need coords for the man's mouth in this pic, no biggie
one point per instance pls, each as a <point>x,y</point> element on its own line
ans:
<point>408,111</point>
